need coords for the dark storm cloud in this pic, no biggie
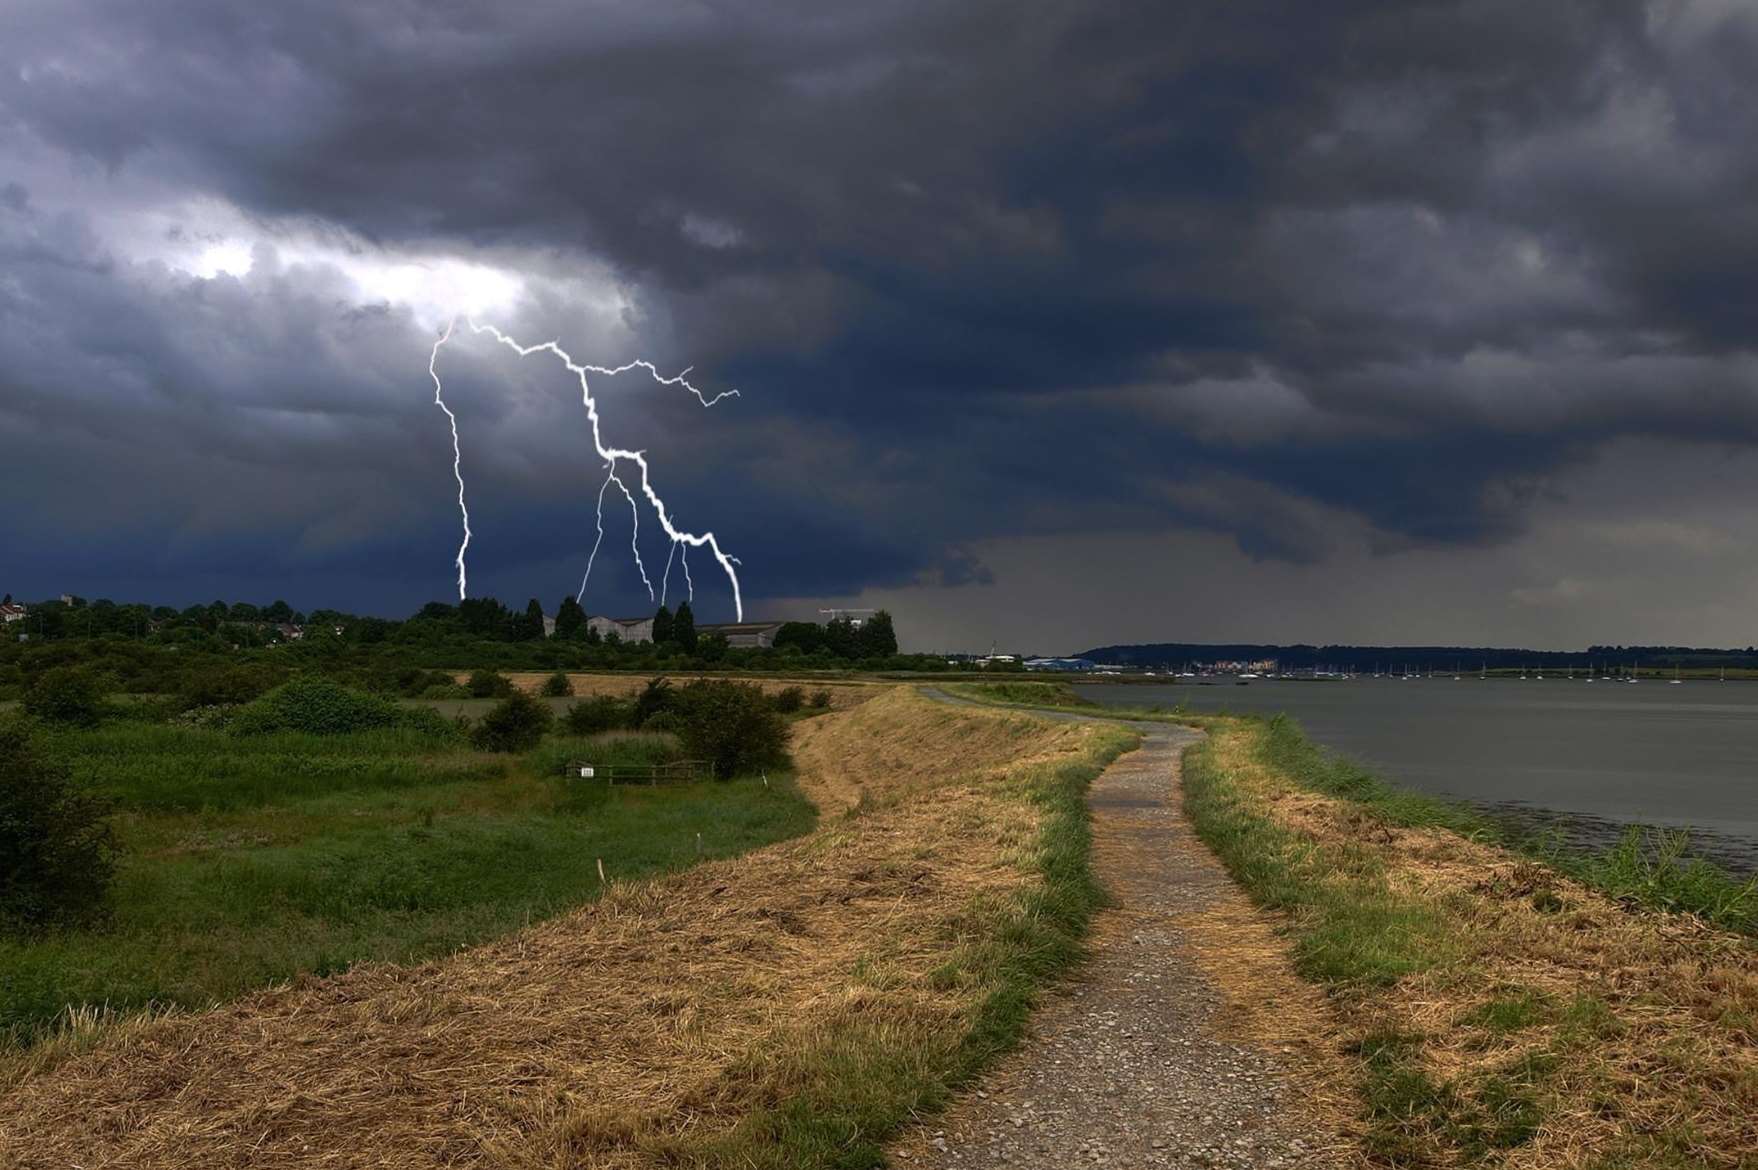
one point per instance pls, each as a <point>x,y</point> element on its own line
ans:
<point>983,269</point>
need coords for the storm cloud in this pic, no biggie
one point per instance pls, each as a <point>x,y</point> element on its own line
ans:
<point>1315,289</point>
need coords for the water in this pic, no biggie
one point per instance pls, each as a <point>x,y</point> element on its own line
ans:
<point>1585,758</point>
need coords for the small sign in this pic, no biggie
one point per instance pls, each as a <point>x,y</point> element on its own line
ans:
<point>585,773</point>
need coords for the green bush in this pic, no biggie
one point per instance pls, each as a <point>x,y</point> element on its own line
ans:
<point>600,713</point>
<point>658,696</point>
<point>488,684</point>
<point>446,690</point>
<point>64,695</point>
<point>226,685</point>
<point>820,700</point>
<point>320,706</point>
<point>788,700</point>
<point>731,725</point>
<point>57,851</point>
<point>557,686</point>
<point>663,722</point>
<point>515,724</point>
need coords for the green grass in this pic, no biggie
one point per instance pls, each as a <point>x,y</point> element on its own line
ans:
<point>1020,694</point>
<point>248,862</point>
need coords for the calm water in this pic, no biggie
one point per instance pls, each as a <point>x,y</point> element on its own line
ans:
<point>1588,757</point>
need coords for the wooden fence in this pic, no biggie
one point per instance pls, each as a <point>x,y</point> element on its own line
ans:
<point>676,772</point>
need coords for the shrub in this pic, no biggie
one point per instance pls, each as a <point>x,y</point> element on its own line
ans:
<point>320,706</point>
<point>788,700</point>
<point>64,695</point>
<point>446,690</point>
<point>222,686</point>
<point>57,851</point>
<point>515,724</point>
<point>732,725</point>
<point>488,684</point>
<point>657,697</point>
<point>601,713</point>
<point>664,721</point>
<point>820,700</point>
<point>557,686</point>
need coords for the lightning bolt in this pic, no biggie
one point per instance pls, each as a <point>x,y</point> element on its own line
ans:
<point>612,456</point>
<point>457,455</point>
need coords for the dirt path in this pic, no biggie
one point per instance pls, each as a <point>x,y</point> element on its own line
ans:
<point>1142,1060</point>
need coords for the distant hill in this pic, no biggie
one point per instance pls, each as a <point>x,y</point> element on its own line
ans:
<point>1154,655</point>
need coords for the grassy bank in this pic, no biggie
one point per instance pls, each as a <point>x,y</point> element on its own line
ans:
<point>249,860</point>
<point>853,1084</point>
<point>1501,1012</point>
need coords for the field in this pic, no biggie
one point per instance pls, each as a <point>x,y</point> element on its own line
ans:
<point>248,862</point>
<point>788,1007</point>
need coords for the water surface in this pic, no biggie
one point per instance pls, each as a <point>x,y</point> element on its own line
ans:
<point>1589,757</point>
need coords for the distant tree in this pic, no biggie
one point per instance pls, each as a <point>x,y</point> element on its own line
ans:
<point>243,611</point>
<point>592,636</point>
<point>662,626</point>
<point>7,600</point>
<point>683,628</point>
<point>438,611</point>
<point>277,611</point>
<point>570,620</point>
<point>806,636</point>
<point>841,638</point>
<point>529,627</point>
<point>712,646</point>
<point>558,685</point>
<point>877,638</point>
<point>485,617</point>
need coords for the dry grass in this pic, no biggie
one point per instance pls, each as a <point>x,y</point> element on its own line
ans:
<point>1592,1033</point>
<point>843,694</point>
<point>641,1030</point>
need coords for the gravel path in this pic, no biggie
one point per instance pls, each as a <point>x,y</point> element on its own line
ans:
<point>1127,1065</point>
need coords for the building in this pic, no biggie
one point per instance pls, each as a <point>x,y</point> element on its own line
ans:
<point>1059,664</point>
<point>749,635</point>
<point>10,613</point>
<point>635,629</point>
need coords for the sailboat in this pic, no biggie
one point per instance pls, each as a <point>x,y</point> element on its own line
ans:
<point>1676,680</point>
<point>1632,677</point>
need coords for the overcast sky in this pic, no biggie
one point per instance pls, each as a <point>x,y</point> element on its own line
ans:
<point>1054,324</point>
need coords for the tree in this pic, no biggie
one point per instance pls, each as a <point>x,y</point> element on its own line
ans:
<point>570,620</point>
<point>529,627</point>
<point>878,639</point>
<point>277,611</point>
<point>243,611</point>
<point>593,637</point>
<point>662,627</point>
<point>683,628</point>
<point>841,638</point>
<point>731,724</point>
<point>805,636</point>
<point>57,850</point>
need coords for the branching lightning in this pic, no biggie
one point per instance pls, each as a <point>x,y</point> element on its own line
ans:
<point>681,540</point>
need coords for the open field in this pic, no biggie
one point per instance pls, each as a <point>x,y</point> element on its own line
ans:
<point>1498,1012</point>
<point>785,1008</point>
<point>250,861</point>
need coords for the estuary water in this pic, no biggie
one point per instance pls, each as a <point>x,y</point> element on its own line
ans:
<point>1584,758</point>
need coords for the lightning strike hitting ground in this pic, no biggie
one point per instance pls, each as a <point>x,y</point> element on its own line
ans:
<point>611,456</point>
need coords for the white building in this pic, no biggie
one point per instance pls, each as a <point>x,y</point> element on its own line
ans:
<point>10,613</point>
<point>635,629</point>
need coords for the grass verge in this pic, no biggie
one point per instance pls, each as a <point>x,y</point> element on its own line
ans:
<point>1500,1012</point>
